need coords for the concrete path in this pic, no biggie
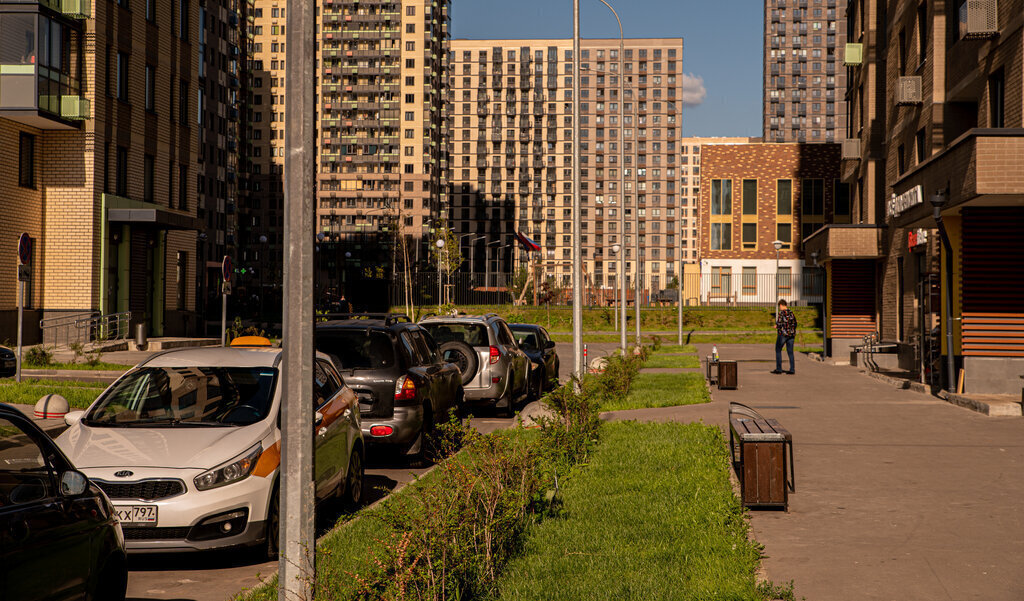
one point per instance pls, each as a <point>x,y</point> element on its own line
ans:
<point>899,495</point>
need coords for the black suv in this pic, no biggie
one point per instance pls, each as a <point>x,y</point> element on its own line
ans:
<point>394,367</point>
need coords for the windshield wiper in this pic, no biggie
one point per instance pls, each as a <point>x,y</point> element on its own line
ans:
<point>169,422</point>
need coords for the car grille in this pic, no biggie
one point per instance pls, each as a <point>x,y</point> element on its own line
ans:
<point>155,533</point>
<point>147,490</point>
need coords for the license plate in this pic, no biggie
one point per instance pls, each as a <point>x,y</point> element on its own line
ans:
<point>10,362</point>
<point>136,515</point>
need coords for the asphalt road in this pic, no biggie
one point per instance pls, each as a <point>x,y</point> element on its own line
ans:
<point>220,576</point>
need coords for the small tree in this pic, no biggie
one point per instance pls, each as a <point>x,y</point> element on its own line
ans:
<point>673,284</point>
<point>451,255</point>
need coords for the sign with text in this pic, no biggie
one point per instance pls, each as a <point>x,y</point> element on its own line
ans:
<point>917,237</point>
<point>909,199</point>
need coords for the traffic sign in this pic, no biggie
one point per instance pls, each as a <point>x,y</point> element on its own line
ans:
<point>24,249</point>
<point>225,268</point>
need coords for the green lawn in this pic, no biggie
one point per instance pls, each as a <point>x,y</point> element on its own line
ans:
<point>81,366</point>
<point>652,517</point>
<point>675,348</point>
<point>79,394</point>
<point>662,390</point>
<point>802,338</point>
<point>661,360</point>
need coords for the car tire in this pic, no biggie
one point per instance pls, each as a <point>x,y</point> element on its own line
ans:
<point>354,480</point>
<point>462,356</point>
<point>273,525</point>
<point>112,582</point>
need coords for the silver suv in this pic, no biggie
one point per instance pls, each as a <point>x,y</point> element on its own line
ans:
<point>494,369</point>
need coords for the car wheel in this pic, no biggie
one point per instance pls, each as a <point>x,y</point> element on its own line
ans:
<point>354,480</point>
<point>273,530</point>
<point>112,582</point>
<point>462,356</point>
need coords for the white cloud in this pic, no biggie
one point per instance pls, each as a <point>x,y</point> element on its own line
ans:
<point>693,89</point>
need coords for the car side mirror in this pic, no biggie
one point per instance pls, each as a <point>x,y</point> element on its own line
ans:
<point>549,344</point>
<point>73,417</point>
<point>318,419</point>
<point>73,483</point>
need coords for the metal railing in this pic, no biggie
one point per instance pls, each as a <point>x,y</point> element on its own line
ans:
<point>85,328</point>
<point>63,330</point>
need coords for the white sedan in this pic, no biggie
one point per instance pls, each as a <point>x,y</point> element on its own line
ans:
<point>187,446</point>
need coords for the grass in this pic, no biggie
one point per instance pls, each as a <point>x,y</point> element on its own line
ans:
<point>801,338</point>
<point>101,366</point>
<point>662,361</point>
<point>675,348</point>
<point>598,319</point>
<point>662,390</point>
<point>808,349</point>
<point>652,517</point>
<point>79,394</point>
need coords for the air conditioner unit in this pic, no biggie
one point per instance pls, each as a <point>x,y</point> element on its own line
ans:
<point>908,90</point>
<point>851,149</point>
<point>981,19</point>
<point>853,54</point>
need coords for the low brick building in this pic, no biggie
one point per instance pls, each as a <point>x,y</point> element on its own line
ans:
<point>752,196</point>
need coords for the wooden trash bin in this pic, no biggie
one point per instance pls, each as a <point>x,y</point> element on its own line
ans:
<point>728,374</point>
<point>761,449</point>
<point>712,373</point>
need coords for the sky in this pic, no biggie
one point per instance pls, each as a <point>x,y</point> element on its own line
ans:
<point>722,46</point>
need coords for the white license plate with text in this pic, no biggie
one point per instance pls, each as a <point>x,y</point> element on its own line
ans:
<point>136,515</point>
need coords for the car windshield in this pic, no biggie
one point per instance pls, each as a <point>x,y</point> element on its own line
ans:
<point>187,396</point>
<point>473,334</point>
<point>357,349</point>
<point>526,338</point>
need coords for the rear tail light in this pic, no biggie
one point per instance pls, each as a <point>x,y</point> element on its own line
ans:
<point>495,355</point>
<point>405,389</point>
<point>381,430</point>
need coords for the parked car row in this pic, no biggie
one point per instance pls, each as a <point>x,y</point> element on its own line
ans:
<point>183,451</point>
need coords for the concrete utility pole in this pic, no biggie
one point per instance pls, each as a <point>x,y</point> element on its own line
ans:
<point>296,572</point>
<point>577,221</point>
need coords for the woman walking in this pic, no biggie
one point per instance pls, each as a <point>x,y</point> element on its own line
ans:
<point>785,325</point>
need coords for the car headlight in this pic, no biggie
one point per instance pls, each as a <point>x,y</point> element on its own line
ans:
<point>237,469</point>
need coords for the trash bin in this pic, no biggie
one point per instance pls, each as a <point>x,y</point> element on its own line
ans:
<point>141,343</point>
<point>728,374</point>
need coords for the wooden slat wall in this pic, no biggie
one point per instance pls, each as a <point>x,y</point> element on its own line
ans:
<point>992,281</point>
<point>852,299</point>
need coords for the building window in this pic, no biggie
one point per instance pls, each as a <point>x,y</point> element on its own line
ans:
<point>148,166</point>
<point>842,202</point>
<point>996,92</point>
<point>151,11</point>
<point>121,172</point>
<point>749,281</point>
<point>784,197</point>
<point>721,196</point>
<point>150,88</point>
<point>721,236</point>
<point>785,279</point>
<point>750,197</point>
<point>749,235</point>
<point>922,32</point>
<point>901,159</point>
<point>784,234</point>
<point>181,275</point>
<point>812,206</point>
<point>122,77</point>
<point>183,102</point>
<point>27,161</point>
<point>921,146</point>
<point>182,187</point>
<point>721,281</point>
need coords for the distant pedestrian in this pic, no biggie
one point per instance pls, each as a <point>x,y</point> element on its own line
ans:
<point>785,324</point>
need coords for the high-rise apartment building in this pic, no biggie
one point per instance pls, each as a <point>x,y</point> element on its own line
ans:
<point>511,155</point>
<point>804,79</point>
<point>382,168</point>
<point>98,155</point>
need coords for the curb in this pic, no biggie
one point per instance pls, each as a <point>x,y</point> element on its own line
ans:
<point>989,408</point>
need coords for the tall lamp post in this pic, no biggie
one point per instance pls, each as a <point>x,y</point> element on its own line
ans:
<point>620,307</point>
<point>778,247</point>
<point>440,247</point>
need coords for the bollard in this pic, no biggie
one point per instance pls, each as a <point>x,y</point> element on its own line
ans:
<point>141,343</point>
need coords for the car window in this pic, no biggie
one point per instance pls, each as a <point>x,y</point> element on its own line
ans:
<point>25,475</point>
<point>356,349</point>
<point>410,349</point>
<point>473,334</point>
<point>173,396</point>
<point>505,336</point>
<point>425,349</point>
<point>544,336</point>
<point>526,338</point>
<point>324,387</point>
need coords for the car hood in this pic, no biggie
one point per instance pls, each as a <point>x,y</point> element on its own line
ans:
<point>172,447</point>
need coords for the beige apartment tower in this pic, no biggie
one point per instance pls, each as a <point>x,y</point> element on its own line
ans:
<point>511,155</point>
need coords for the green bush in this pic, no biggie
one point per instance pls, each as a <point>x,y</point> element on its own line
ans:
<point>38,356</point>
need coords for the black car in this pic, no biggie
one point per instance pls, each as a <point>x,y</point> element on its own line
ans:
<point>8,362</point>
<point>537,344</point>
<point>59,537</point>
<point>404,387</point>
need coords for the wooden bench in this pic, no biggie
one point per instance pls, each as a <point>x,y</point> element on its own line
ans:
<point>762,455</point>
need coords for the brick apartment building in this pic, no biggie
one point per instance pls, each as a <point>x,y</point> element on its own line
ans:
<point>937,115</point>
<point>98,160</point>
<point>752,195</point>
<point>511,150</point>
<point>804,79</point>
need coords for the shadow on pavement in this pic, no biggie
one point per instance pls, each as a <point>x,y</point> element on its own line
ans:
<point>209,560</point>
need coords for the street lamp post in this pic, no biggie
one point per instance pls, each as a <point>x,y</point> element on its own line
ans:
<point>620,307</point>
<point>440,247</point>
<point>778,247</point>
<point>472,262</point>
<point>577,220</point>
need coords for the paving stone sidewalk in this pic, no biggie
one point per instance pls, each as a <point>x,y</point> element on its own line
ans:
<point>900,495</point>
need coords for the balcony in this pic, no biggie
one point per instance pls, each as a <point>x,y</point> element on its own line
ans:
<point>846,241</point>
<point>39,87</point>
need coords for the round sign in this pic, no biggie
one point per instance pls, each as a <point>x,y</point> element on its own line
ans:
<point>225,268</point>
<point>24,249</point>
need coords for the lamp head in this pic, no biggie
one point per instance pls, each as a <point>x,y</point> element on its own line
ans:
<point>440,243</point>
<point>263,239</point>
<point>616,248</point>
<point>319,236</point>
<point>777,244</point>
<point>938,200</point>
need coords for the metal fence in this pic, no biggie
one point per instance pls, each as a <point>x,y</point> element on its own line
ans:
<point>698,289</point>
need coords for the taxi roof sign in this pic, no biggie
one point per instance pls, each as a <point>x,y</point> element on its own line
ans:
<point>251,341</point>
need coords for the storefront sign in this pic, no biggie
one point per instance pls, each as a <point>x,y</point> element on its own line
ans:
<point>917,237</point>
<point>898,204</point>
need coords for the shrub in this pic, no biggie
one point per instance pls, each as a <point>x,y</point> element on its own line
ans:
<point>38,356</point>
<point>569,434</point>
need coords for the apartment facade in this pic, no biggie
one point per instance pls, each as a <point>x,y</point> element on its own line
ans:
<point>511,156</point>
<point>99,160</point>
<point>382,168</point>
<point>941,130</point>
<point>752,196</point>
<point>804,78</point>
